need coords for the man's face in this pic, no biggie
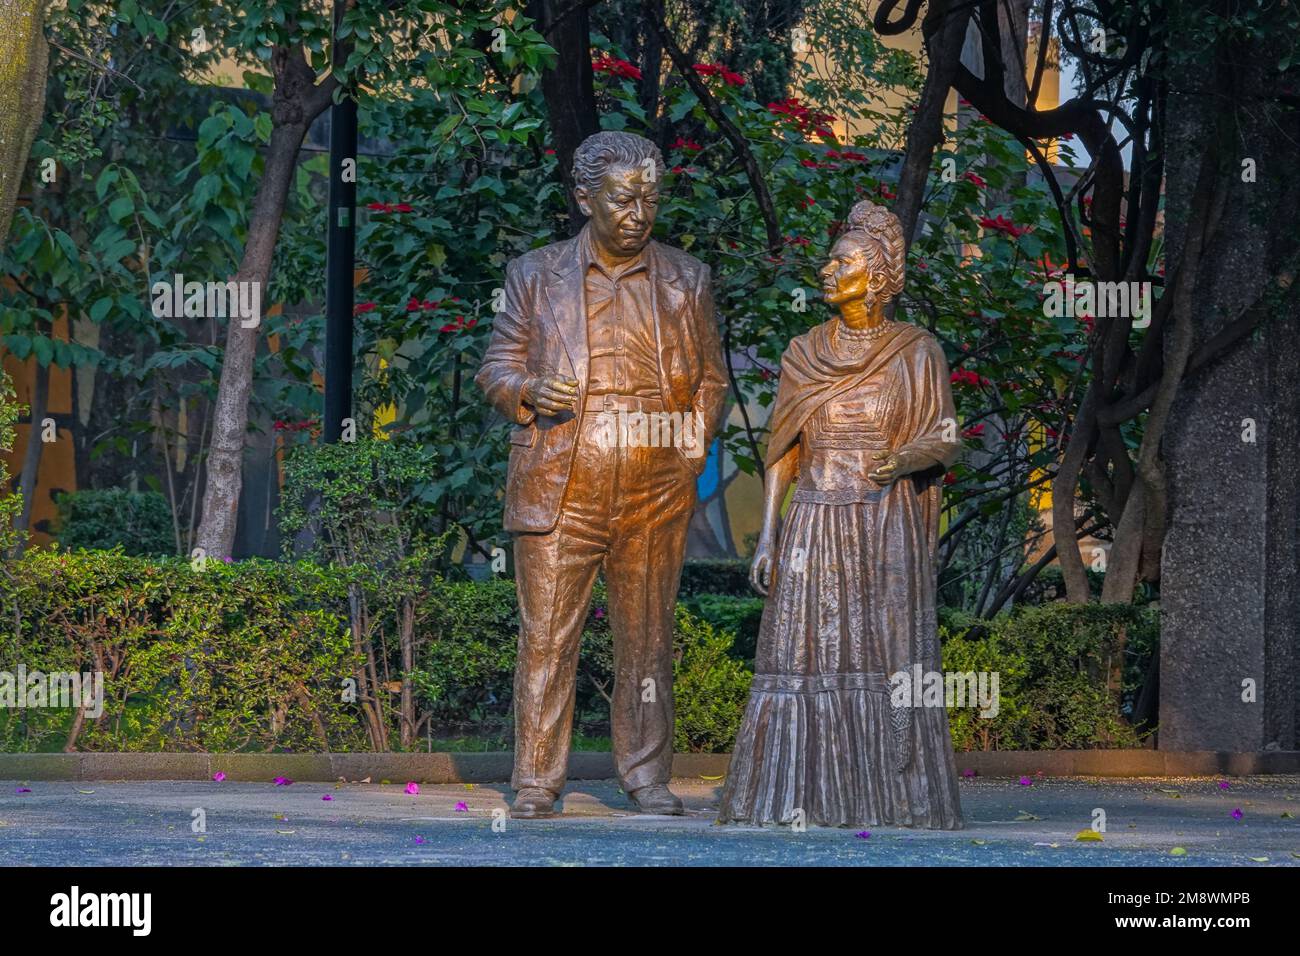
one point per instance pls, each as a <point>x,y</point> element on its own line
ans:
<point>622,211</point>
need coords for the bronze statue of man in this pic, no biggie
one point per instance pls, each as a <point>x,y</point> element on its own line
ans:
<point>607,328</point>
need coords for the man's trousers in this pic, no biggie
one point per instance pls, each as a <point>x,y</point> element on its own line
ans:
<point>626,508</point>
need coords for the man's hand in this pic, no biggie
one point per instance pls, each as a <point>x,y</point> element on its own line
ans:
<point>550,394</point>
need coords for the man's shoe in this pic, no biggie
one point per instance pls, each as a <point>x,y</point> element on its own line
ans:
<point>533,803</point>
<point>657,799</point>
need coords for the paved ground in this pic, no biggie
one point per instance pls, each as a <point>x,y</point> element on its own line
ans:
<point>1008,824</point>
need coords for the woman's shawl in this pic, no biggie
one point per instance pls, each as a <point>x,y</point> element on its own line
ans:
<point>813,373</point>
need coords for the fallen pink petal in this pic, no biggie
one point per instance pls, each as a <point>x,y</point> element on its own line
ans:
<point>283,782</point>
<point>413,788</point>
<point>326,797</point>
<point>218,776</point>
<point>461,807</point>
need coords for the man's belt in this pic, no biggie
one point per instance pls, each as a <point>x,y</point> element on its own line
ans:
<point>611,402</point>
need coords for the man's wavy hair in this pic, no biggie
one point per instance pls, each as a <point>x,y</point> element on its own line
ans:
<point>600,151</point>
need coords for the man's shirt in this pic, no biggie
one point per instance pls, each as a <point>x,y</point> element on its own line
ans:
<point>620,326</point>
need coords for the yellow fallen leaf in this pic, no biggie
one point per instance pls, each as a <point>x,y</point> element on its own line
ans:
<point>1026,815</point>
<point>1259,859</point>
<point>1178,851</point>
<point>1288,815</point>
<point>1088,836</point>
<point>79,790</point>
<point>286,831</point>
<point>979,842</point>
<point>721,776</point>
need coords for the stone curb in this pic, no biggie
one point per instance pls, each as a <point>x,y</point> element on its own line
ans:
<point>440,768</point>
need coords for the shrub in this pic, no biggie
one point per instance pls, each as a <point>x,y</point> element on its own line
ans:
<point>247,656</point>
<point>1062,684</point>
<point>709,688</point>
<point>140,523</point>
<point>716,576</point>
<point>738,616</point>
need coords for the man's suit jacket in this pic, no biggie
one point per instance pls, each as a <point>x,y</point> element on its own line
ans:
<point>542,329</point>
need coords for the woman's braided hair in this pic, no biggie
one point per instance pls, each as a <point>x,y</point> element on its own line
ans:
<point>879,235</point>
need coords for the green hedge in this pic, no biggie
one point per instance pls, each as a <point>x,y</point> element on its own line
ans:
<point>1054,664</point>
<point>255,656</point>
<point>139,522</point>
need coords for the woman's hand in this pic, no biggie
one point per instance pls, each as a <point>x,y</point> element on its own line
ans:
<point>894,466</point>
<point>763,569</point>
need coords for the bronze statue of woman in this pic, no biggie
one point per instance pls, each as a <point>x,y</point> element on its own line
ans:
<point>864,420</point>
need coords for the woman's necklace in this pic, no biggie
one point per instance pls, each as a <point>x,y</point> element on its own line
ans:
<point>858,338</point>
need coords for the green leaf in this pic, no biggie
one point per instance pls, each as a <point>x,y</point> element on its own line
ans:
<point>99,308</point>
<point>120,209</point>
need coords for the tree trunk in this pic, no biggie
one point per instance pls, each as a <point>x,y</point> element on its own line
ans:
<point>24,57</point>
<point>568,88</point>
<point>945,31</point>
<point>32,454</point>
<point>296,103</point>
<point>1231,565</point>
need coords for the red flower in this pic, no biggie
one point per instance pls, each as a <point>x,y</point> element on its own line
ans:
<point>950,478</point>
<point>805,119</point>
<point>979,183</point>
<point>975,431</point>
<point>616,67</point>
<point>550,152</point>
<point>459,324</point>
<point>964,376</point>
<point>361,307</point>
<point>717,69</point>
<point>808,201</point>
<point>688,144</point>
<point>884,192</point>
<point>1002,224</point>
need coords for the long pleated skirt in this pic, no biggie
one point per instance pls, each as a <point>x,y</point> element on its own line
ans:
<point>822,741</point>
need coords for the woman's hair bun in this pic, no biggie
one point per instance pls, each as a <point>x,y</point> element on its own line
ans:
<point>867,215</point>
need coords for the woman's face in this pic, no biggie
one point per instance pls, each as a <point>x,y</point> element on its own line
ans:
<point>847,276</point>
